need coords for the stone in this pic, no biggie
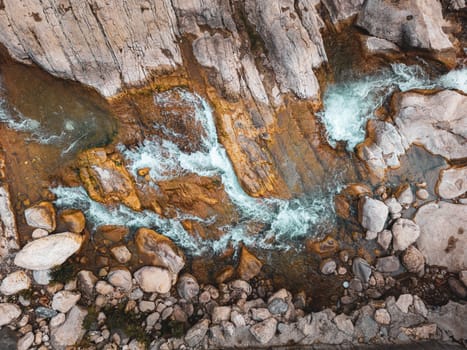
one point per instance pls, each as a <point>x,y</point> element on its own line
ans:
<point>356,285</point>
<point>278,306</point>
<point>385,239</point>
<point>423,332</point>
<point>48,252</point>
<point>154,279</point>
<point>25,342</point>
<point>120,278</point>
<point>57,320</point>
<point>41,215</point>
<point>393,205</point>
<point>221,313</point>
<point>187,287</point>
<point>328,267</point>
<point>237,319</point>
<point>344,324</point>
<point>378,45</point>
<point>121,254</point>
<point>341,10</point>
<point>73,219</point>
<point>39,233</point>
<point>463,277</point>
<point>158,250</point>
<point>15,282</point>
<point>382,316</point>
<point>404,301</point>
<point>146,306</point>
<point>372,214</point>
<point>249,265</point>
<point>443,240</point>
<point>405,232</point>
<point>45,312</point>
<point>413,260</point>
<point>370,235</point>
<point>8,313</point>
<point>422,194</point>
<point>64,300</point>
<point>86,282</point>
<point>457,287</point>
<point>42,277</point>
<point>361,269</point>
<point>195,334</point>
<point>405,196</point>
<point>241,285</point>
<point>113,233</point>
<point>264,331</point>
<point>419,306</point>
<point>104,288</point>
<point>452,182</point>
<point>71,331</point>
<point>388,264</point>
<point>450,318</point>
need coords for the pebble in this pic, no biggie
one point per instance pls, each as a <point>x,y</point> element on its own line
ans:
<point>382,316</point>
<point>422,194</point>
<point>388,264</point>
<point>404,301</point>
<point>328,267</point>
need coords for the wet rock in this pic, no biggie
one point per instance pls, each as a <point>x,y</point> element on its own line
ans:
<point>64,300</point>
<point>8,313</point>
<point>187,287</point>
<point>328,266</point>
<point>388,264</point>
<point>48,252</point>
<point>326,247</point>
<point>344,324</point>
<point>113,233</point>
<point>361,269</point>
<point>385,239</point>
<point>121,254</point>
<point>221,313</point>
<point>41,215</point>
<point>457,287</point>
<point>15,282</point>
<point>264,331</point>
<point>413,260</point>
<point>372,214</point>
<point>71,331</point>
<point>404,301</point>
<point>249,265</point>
<point>73,219</point>
<point>443,241</point>
<point>382,316</point>
<point>25,342</point>
<point>86,282</point>
<point>405,232</point>
<point>158,250</point>
<point>405,196</point>
<point>196,333</point>
<point>154,279</point>
<point>452,182</point>
<point>450,318</point>
<point>225,274</point>
<point>120,278</point>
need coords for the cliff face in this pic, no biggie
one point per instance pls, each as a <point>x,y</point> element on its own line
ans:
<point>255,60</point>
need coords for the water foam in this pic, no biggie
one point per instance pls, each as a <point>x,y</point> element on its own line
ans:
<point>348,106</point>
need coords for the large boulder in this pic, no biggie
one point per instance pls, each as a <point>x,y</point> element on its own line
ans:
<point>452,182</point>
<point>443,240</point>
<point>41,215</point>
<point>48,252</point>
<point>372,214</point>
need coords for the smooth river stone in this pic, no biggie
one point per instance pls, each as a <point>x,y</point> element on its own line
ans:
<point>48,252</point>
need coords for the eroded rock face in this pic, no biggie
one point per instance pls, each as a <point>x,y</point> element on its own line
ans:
<point>442,239</point>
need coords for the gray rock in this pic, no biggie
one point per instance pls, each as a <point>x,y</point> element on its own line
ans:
<point>394,206</point>
<point>187,287</point>
<point>344,324</point>
<point>8,339</point>
<point>154,279</point>
<point>25,342</point>
<point>373,214</point>
<point>378,45</point>
<point>404,301</point>
<point>382,316</point>
<point>388,264</point>
<point>419,306</point>
<point>463,277</point>
<point>86,282</point>
<point>450,318</point>
<point>361,269</point>
<point>64,300</point>
<point>457,287</point>
<point>365,326</point>
<point>71,331</point>
<point>41,215</point>
<point>323,330</point>
<point>120,278</point>
<point>385,239</point>
<point>15,282</point>
<point>413,260</point>
<point>221,313</point>
<point>42,277</point>
<point>264,331</point>
<point>121,254</point>
<point>342,9</point>
<point>452,182</point>
<point>8,313</point>
<point>405,232</point>
<point>196,333</point>
<point>278,306</point>
<point>45,312</point>
<point>242,285</point>
<point>260,314</point>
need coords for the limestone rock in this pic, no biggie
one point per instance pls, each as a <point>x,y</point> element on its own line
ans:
<point>71,331</point>
<point>413,260</point>
<point>378,45</point>
<point>372,214</point>
<point>8,313</point>
<point>452,182</point>
<point>15,282</point>
<point>48,252</point>
<point>249,265</point>
<point>187,287</point>
<point>154,279</point>
<point>73,219</point>
<point>39,233</point>
<point>442,240</point>
<point>405,232</point>
<point>42,277</point>
<point>120,278</point>
<point>196,333</point>
<point>158,250</point>
<point>64,300</point>
<point>265,330</point>
<point>41,215</point>
<point>394,206</point>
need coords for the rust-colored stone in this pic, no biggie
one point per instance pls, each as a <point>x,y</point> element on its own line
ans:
<point>249,265</point>
<point>326,247</point>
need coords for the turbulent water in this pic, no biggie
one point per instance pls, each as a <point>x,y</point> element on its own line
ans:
<point>348,106</point>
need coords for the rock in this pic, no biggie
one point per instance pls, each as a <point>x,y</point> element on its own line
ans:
<point>405,196</point>
<point>404,301</point>
<point>443,240</point>
<point>104,288</point>
<point>328,267</point>
<point>382,316</point>
<point>48,252</point>
<point>405,232</point>
<point>452,182</point>
<point>264,331</point>
<point>434,121</point>
<point>86,282</point>
<point>146,306</point>
<point>361,269</point>
<point>463,277</point>
<point>419,306</point>
<point>221,313</point>
<point>15,282</point>
<point>378,45</point>
<point>73,219</point>
<point>154,279</point>
<point>344,324</point>
<point>422,194</point>
<point>158,250</point>
<point>366,326</point>
<point>249,265</point>
<point>413,260</point>
<point>417,24</point>
<point>278,306</point>
<point>120,278</point>
<point>385,239</point>
<point>237,319</point>
<point>322,329</point>
<point>121,254</point>
<point>196,333</point>
<point>422,332</point>
<point>113,233</point>
<point>187,287</point>
<point>71,331</point>
<point>241,285</point>
<point>372,214</point>
<point>64,300</point>
<point>57,320</point>
<point>457,287</point>
<point>25,342</point>
<point>45,312</point>
<point>450,318</point>
<point>41,215</point>
<point>42,277</point>
<point>39,233</point>
<point>8,313</point>
<point>394,206</point>
<point>356,285</point>
<point>388,264</point>
<point>370,235</point>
